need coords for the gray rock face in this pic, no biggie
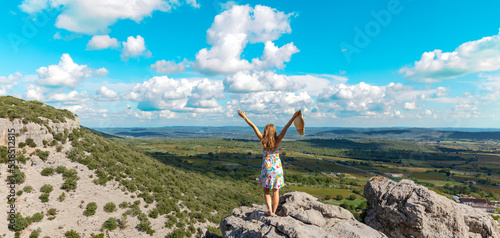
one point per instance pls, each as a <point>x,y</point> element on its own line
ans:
<point>37,132</point>
<point>299,215</point>
<point>405,209</point>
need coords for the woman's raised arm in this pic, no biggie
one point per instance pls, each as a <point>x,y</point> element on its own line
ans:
<point>283,132</point>
<point>255,129</point>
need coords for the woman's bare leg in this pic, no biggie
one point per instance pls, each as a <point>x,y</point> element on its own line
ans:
<point>276,199</point>
<point>267,196</point>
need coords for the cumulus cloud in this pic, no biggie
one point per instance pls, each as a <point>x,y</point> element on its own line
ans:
<point>67,98</point>
<point>134,47</point>
<point>99,42</point>
<point>95,16</point>
<point>410,105</point>
<point>66,73</point>
<point>233,29</point>
<point>244,82</point>
<point>314,84</point>
<point>181,95</point>
<point>6,83</point>
<point>105,94</point>
<point>34,92</point>
<point>169,67</point>
<point>474,56</point>
<point>371,100</point>
<point>268,103</point>
<point>275,57</point>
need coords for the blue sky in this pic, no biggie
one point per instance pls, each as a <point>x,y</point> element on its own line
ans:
<point>193,62</point>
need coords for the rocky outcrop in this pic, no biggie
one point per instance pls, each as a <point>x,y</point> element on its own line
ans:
<point>405,209</point>
<point>37,132</point>
<point>299,215</point>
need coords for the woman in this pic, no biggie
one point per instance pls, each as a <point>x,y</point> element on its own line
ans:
<point>271,174</point>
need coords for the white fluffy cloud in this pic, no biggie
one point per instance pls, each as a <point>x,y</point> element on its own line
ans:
<point>470,57</point>
<point>370,100</point>
<point>314,84</point>
<point>99,42</point>
<point>163,93</point>
<point>95,16</point>
<point>6,83</point>
<point>34,92</point>
<point>66,73</point>
<point>105,94</point>
<point>169,67</point>
<point>67,98</point>
<point>134,47</point>
<point>410,105</point>
<point>275,57</point>
<point>233,29</point>
<point>243,82</point>
<point>270,103</point>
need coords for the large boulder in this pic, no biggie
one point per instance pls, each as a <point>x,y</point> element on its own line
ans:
<point>299,215</point>
<point>405,209</point>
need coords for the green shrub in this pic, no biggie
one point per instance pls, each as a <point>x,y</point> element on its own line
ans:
<point>37,217</point>
<point>44,197</point>
<point>123,205</point>
<point>21,144</point>
<point>352,197</point>
<point>60,169</point>
<point>110,207</point>
<point>52,212</point>
<point>28,189</point>
<point>91,208</point>
<point>72,234</point>
<point>17,176</point>
<point>19,193</point>
<point>47,188</point>
<point>59,148</point>
<point>44,142</point>
<point>110,224</point>
<point>35,233</point>
<point>22,159</point>
<point>123,222</point>
<point>30,142</point>
<point>62,197</point>
<point>69,184</point>
<point>19,223</point>
<point>42,154</point>
<point>340,197</point>
<point>47,171</point>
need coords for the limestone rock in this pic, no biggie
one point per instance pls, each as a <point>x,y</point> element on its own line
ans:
<point>406,209</point>
<point>37,132</point>
<point>299,215</point>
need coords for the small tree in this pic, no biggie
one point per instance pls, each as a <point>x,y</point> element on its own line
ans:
<point>352,197</point>
<point>340,197</point>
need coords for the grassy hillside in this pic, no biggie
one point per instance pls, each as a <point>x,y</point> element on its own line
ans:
<point>184,197</point>
<point>30,111</point>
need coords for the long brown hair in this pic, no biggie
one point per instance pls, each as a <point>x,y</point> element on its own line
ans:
<point>269,138</point>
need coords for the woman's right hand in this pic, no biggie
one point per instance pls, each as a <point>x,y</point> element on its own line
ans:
<point>241,113</point>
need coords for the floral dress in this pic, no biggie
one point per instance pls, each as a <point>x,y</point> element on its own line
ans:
<point>271,174</point>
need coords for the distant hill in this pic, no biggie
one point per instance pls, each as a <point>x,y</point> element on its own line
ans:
<point>244,132</point>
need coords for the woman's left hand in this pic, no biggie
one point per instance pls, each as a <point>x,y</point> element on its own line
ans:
<point>241,113</point>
